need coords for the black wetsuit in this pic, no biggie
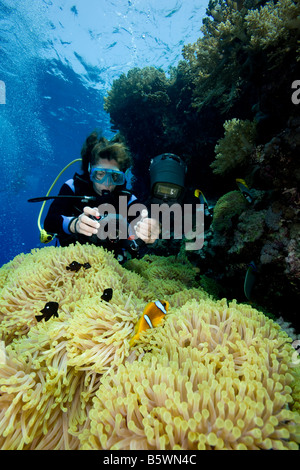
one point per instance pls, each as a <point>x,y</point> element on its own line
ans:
<point>63,210</point>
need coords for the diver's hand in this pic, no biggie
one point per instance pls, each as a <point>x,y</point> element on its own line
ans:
<point>84,224</point>
<point>147,230</point>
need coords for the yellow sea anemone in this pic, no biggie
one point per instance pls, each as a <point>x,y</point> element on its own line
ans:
<point>216,376</point>
<point>213,375</point>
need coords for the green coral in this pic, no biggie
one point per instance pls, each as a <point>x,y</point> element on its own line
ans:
<point>244,58</point>
<point>144,84</point>
<point>141,89</point>
<point>228,206</point>
<point>233,32</point>
<point>273,24</point>
<point>235,147</point>
<point>212,58</point>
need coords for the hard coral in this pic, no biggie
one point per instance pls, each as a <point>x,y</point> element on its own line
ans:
<point>212,375</point>
<point>277,162</point>
<point>293,259</point>
<point>273,24</point>
<point>250,229</point>
<point>227,207</point>
<point>144,85</point>
<point>217,59</point>
<point>135,100</point>
<point>239,38</point>
<point>239,67</point>
<point>265,231</point>
<point>235,147</point>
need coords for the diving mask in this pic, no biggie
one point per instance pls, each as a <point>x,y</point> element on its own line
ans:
<point>107,176</point>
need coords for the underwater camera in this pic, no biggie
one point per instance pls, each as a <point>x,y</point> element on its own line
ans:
<point>113,227</point>
<point>114,233</point>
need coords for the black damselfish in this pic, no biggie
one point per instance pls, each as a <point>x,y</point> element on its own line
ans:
<point>75,266</point>
<point>107,294</point>
<point>48,311</point>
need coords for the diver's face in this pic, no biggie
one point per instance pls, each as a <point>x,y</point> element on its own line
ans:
<point>109,165</point>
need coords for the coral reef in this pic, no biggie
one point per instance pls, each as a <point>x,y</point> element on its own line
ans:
<point>227,207</point>
<point>273,24</point>
<point>236,77</point>
<point>266,231</point>
<point>288,328</point>
<point>139,97</point>
<point>250,229</point>
<point>213,375</point>
<point>241,67</point>
<point>238,42</point>
<point>234,148</point>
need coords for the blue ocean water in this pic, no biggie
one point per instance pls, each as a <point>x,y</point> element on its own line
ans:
<point>58,59</point>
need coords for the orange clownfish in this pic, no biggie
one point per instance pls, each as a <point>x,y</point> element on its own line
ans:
<point>152,316</point>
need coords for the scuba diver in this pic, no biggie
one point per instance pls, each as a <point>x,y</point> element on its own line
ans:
<point>167,180</point>
<point>72,217</point>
